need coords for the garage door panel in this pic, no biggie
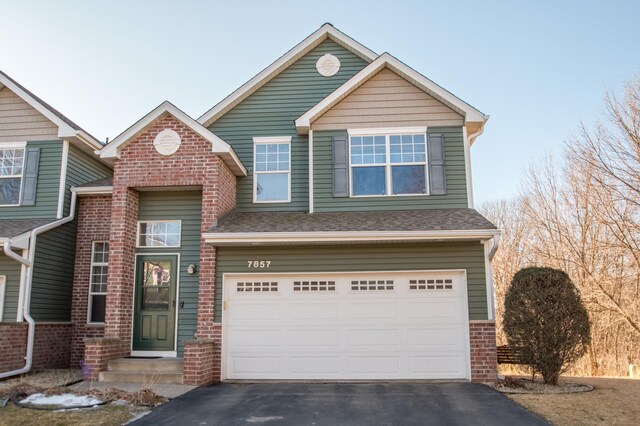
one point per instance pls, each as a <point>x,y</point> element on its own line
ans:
<point>254,312</point>
<point>372,310</point>
<point>314,338</point>
<point>374,365</point>
<point>243,339</point>
<point>433,309</point>
<point>444,366</point>
<point>252,365</point>
<point>314,366</point>
<point>373,337</point>
<point>317,327</point>
<point>437,338</point>
<point>311,310</point>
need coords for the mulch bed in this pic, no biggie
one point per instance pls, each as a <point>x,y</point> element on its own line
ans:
<point>527,386</point>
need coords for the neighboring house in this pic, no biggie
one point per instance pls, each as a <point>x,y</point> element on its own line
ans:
<point>42,155</point>
<point>316,224</point>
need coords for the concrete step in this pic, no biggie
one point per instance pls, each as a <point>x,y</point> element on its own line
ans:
<point>147,379</point>
<point>146,365</point>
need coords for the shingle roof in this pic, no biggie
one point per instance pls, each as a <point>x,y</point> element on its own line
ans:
<point>108,181</point>
<point>54,111</point>
<point>410,220</point>
<point>13,227</point>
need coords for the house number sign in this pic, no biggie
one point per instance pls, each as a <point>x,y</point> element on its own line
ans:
<point>258,264</point>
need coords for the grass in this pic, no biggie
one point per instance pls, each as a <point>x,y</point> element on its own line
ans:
<point>106,415</point>
<point>612,402</point>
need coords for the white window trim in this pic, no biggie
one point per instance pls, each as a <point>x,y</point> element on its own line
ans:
<point>271,140</point>
<point>3,288</point>
<point>387,132</point>
<point>15,145</point>
<point>179,222</point>
<point>92,293</point>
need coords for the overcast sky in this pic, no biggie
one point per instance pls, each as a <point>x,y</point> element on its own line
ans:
<point>537,67</point>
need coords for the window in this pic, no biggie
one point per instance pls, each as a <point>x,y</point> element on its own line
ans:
<point>391,163</point>
<point>11,168</point>
<point>159,233</point>
<point>98,282</point>
<point>272,170</point>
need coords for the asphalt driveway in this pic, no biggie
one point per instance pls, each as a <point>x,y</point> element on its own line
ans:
<point>342,404</point>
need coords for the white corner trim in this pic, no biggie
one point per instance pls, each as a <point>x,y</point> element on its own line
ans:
<point>349,236</point>
<point>303,123</point>
<point>310,171</point>
<point>272,139</point>
<point>488,271</point>
<point>3,286</point>
<point>467,166</point>
<point>244,91</point>
<point>387,130</point>
<point>63,178</point>
<point>219,146</point>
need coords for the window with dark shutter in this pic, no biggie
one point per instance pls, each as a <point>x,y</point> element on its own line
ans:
<point>437,172</point>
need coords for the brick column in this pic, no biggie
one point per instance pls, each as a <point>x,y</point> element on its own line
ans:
<point>484,364</point>
<point>122,255</point>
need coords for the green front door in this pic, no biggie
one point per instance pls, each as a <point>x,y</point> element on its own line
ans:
<point>155,303</point>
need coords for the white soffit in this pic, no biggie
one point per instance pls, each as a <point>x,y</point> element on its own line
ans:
<point>324,32</point>
<point>471,114</point>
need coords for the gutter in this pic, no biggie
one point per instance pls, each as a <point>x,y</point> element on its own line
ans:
<point>26,278</point>
<point>357,236</point>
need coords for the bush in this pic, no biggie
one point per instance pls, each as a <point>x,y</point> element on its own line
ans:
<point>545,318</point>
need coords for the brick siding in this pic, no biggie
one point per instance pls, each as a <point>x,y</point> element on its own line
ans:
<point>94,222</point>
<point>51,348</point>
<point>484,365</point>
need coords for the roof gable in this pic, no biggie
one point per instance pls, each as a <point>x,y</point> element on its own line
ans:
<point>327,31</point>
<point>470,114</point>
<point>67,129</point>
<point>218,146</point>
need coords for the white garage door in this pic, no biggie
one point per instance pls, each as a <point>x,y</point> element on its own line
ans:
<point>346,327</point>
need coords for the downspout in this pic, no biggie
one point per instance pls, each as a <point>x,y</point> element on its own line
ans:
<point>27,269</point>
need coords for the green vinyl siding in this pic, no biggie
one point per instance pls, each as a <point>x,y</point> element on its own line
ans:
<point>46,205</point>
<point>272,110</point>
<point>185,206</point>
<point>53,274</point>
<point>11,269</point>
<point>82,168</point>
<point>456,197</point>
<point>371,257</point>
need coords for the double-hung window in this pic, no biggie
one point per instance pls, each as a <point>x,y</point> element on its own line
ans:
<point>98,282</point>
<point>272,169</point>
<point>11,170</point>
<point>388,163</point>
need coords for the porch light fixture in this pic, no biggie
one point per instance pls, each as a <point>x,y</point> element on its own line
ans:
<point>192,269</point>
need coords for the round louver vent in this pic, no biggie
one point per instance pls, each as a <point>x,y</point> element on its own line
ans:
<point>328,65</point>
<point>167,142</point>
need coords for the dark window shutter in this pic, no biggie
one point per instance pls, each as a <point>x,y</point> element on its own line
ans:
<point>437,175</point>
<point>30,176</point>
<point>340,167</point>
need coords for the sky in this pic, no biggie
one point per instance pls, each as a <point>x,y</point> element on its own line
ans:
<point>538,68</point>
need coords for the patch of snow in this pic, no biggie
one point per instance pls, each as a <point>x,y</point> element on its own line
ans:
<point>64,400</point>
<point>254,419</point>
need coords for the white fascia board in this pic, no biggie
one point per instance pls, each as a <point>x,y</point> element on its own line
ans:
<point>326,237</point>
<point>272,139</point>
<point>218,146</point>
<point>303,123</point>
<point>264,76</point>
<point>93,190</point>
